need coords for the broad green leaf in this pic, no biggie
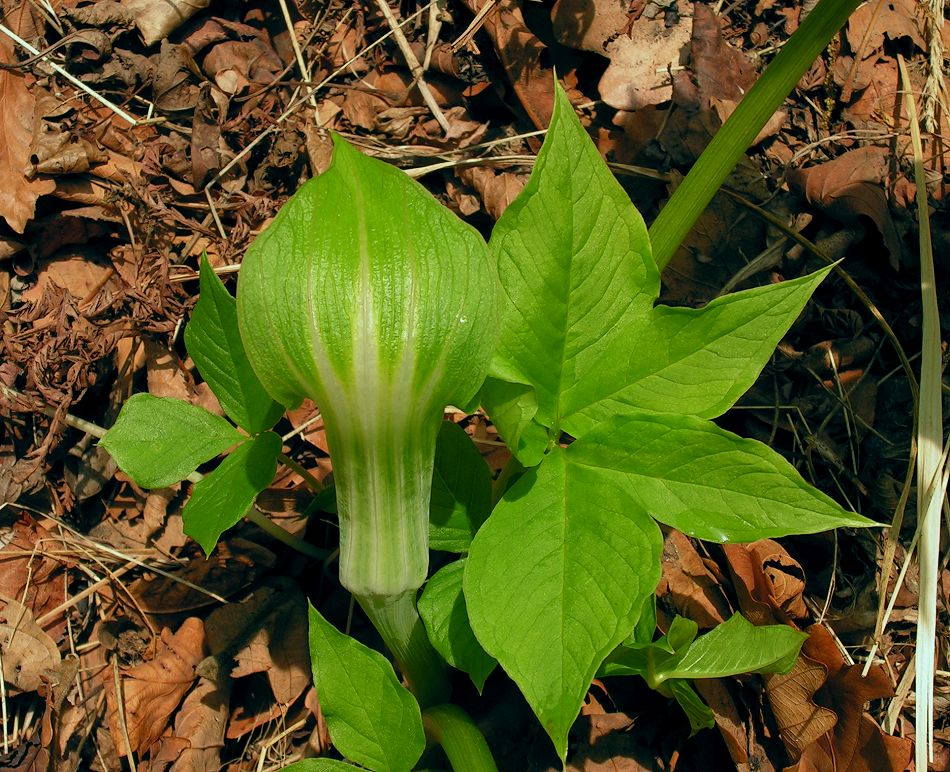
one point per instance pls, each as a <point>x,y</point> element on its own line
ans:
<point>694,361</point>
<point>707,482</point>
<point>158,441</point>
<point>580,337</point>
<point>736,646</point>
<point>645,659</point>
<point>575,268</point>
<point>370,297</point>
<point>214,342</point>
<point>223,497</point>
<point>556,578</point>
<point>372,718</point>
<point>443,612</point>
<point>320,765</point>
<point>461,490</point>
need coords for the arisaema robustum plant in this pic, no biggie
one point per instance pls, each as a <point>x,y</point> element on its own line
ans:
<point>370,298</point>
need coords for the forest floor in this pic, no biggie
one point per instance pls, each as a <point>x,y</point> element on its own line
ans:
<point>181,132</point>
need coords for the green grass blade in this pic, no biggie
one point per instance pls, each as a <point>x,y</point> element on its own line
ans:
<point>733,139</point>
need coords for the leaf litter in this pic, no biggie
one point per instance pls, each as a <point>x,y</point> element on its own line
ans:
<point>124,641</point>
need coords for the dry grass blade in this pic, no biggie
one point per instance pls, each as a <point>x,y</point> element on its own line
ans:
<point>929,442</point>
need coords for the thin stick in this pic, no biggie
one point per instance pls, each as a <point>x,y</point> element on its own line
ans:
<point>298,54</point>
<point>414,67</point>
<point>71,78</point>
<point>120,711</point>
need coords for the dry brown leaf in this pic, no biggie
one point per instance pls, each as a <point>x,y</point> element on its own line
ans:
<point>640,52</point>
<point>868,25</point>
<point>690,584</point>
<point>853,186</point>
<point>520,52</point>
<point>157,19</point>
<point>791,697</point>
<point>279,649</point>
<point>769,582</point>
<point>497,189</point>
<point>37,580</point>
<point>234,564</point>
<point>235,64</point>
<point>153,690</point>
<point>18,194</point>
<point>73,272</point>
<point>202,720</point>
<point>29,654</point>
<point>608,745</point>
<point>855,743</point>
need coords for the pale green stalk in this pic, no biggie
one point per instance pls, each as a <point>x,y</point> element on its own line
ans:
<point>929,441</point>
<point>463,743</point>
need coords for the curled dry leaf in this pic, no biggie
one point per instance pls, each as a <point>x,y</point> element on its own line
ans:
<point>235,64</point>
<point>497,189</point>
<point>853,186</point>
<point>690,583</point>
<point>29,654</point>
<point>18,193</point>
<point>768,581</point>
<point>520,52</point>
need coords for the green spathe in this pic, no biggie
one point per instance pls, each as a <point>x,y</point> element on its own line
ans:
<point>368,296</point>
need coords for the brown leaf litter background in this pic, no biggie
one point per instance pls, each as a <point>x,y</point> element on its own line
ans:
<point>121,642</point>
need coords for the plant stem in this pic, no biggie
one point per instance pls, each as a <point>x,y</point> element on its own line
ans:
<point>285,537</point>
<point>312,482</point>
<point>399,624</point>
<point>464,744</point>
<point>733,139</point>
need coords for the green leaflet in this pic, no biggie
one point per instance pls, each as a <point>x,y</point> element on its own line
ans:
<point>372,719</point>
<point>706,482</point>
<point>461,491</point>
<point>214,342</point>
<point>158,441</point>
<point>580,338</point>
<point>223,497</point>
<point>556,579</point>
<point>736,646</point>
<point>443,611</point>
